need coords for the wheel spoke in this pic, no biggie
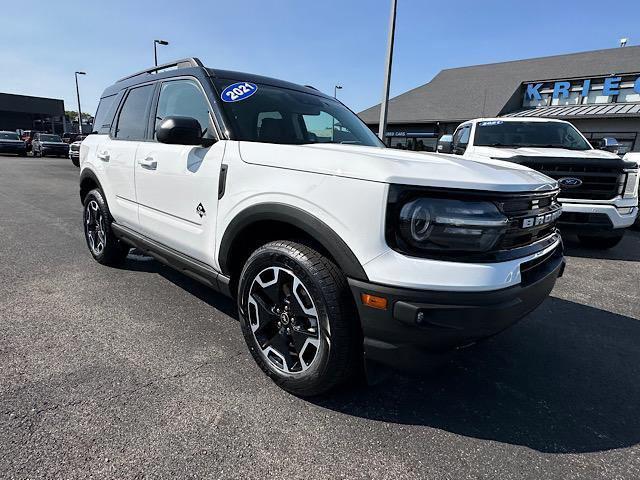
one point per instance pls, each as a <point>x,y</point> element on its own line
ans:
<point>283,320</point>
<point>280,344</point>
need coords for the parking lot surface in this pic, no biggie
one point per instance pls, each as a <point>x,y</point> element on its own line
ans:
<point>141,372</point>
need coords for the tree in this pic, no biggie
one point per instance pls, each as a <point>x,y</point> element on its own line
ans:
<point>73,116</point>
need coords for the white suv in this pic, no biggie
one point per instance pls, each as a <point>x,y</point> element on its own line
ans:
<point>336,248</point>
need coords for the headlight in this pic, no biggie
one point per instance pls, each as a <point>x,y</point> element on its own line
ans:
<point>437,224</point>
<point>631,185</point>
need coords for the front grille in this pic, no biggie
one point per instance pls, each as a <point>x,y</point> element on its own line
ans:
<point>522,207</point>
<point>599,181</point>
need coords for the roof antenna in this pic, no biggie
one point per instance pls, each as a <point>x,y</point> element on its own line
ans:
<point>623,42</point>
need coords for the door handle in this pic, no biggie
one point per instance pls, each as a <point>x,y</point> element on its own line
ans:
<point>104,156</point>
<point>148,163</point>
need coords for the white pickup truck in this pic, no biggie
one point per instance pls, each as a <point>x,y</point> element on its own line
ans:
<point>599,190</point>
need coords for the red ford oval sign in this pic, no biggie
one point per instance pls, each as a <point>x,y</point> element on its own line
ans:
<point>238,91</point>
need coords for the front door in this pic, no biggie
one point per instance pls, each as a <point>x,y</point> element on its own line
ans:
<point>177,185</point>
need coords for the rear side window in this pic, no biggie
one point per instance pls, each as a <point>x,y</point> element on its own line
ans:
<point>133,118</point>
<point>104,114</point>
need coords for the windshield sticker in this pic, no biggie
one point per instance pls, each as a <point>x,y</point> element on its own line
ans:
<point>238,91</point>
<point>490,123</point>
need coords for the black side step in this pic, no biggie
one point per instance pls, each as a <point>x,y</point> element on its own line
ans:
<point>183,263</point>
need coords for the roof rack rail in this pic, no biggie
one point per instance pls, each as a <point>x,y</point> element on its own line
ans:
<point>183,63</point>
<point>311,86</point>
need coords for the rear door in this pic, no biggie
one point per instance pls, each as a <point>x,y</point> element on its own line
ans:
<point>118,153</point>
<point>177,185</point>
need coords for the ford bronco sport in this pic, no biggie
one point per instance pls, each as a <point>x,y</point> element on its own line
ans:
<point>336,248</point>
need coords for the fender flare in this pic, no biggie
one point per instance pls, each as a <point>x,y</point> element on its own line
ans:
<point>314,227</point>
<point>88,174</point>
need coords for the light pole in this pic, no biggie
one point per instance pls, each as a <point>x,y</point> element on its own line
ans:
<point>155,49</point>
<point>335,90</point>
<point>79,109</point>
<point>387,77</point>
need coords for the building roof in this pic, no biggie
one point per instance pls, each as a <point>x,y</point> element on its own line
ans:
<point>459,94</point>
<point>607,110</point>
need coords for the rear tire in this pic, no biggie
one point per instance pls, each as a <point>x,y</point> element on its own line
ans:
<point>75,161</point>
<point>298,318</point>
<point>602,241</point>
<point>103,244</point>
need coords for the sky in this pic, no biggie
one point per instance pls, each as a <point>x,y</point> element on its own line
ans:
<point>319,43</point>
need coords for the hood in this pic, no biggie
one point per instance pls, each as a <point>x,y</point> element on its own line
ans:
<point>396,166</point>
<point>9,140</point>
<point>541,152</point>
<point>54,144</point>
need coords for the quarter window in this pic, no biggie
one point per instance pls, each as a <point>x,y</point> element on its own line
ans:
<point>183,98</point>
<point>132,121</point>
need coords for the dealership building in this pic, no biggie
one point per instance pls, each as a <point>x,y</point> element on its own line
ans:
<point>22,112</point>
<point>597,91</point>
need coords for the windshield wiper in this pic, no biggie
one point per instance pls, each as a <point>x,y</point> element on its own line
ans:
<point>498,144</point>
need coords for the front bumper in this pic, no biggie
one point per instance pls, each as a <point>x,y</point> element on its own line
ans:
<point>55,150</point>
<point>17,149</point>
<point>588,217</point>
<point>401,338</point>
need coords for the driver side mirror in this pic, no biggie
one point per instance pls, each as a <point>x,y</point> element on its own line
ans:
<point>610,144</point>
<point>176,130</point>
<point>445,144</point>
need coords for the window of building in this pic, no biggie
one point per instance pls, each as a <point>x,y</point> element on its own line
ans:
<point>185,99</point>
<point>572,99</point>
<point>628,95</point>
<point>132,121</point>
<point>596,96</point>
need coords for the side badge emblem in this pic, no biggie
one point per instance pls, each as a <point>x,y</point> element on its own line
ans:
<point>200,210</point>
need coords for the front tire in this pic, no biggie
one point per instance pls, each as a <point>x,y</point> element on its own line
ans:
<point>298,318</point>
<point>103,245</point>
<point>75,161</point>
<point>602,241</point>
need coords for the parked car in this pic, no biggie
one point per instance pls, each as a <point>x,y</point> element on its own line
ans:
<point>49,145</point>
<point>10,143</point>
<point>27,137</point>
<point>74,150</point>
<point>70,137</point>
<point>599,190</point>
<point>337,249</point>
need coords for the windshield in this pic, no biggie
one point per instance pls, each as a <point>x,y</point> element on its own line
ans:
<point>50,138</point>
<point>498,133</point>
<point>9,136</point>
<point>281,115</point>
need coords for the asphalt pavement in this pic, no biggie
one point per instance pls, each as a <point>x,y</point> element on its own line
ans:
<point>140,372</point>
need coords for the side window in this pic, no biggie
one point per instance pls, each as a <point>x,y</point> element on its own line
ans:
<point>185,99</point>
<point>132,121</point>
<point>461,139</point>
<point>104,114</point>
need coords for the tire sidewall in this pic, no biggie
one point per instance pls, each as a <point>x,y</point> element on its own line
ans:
<point>271,256</point>
<point>104,210</point>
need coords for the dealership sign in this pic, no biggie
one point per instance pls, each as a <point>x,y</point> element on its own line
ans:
<point>561,89</point>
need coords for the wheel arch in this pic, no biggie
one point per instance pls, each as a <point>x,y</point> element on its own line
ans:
<point>88,181</point>
<point>262,223</point>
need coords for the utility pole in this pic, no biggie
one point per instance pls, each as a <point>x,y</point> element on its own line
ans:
<point>79,109</point>
<point>335,90</point>
<point>387,78</point>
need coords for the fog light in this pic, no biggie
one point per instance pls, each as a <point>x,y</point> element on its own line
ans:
<point>625,210</point>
